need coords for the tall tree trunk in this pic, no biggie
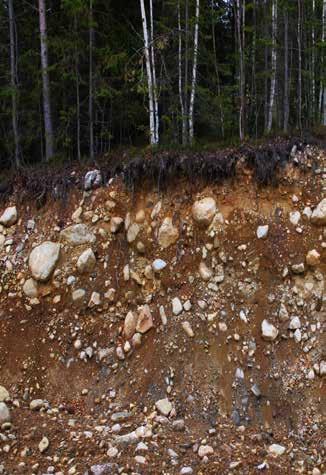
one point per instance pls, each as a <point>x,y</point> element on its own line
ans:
<point>286,109</point>
<point>48,128</point>
<point>313,62</point>
<point>149,76</point>
<point>155,91</point>
<point>274,59</point>
<point>181,97</point>
<point>91,92</point>
<point>216,70</point>
<point>194,76</point>
<point>240,15</point>
<point>323,82</point>
<point>13,81</point>
<point>299,33</point>
<point>77,93</point>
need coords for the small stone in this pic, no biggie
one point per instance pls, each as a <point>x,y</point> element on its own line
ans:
<point>313,258</point>
<point>145,320</point>
<point>269,332</point>
<point>186,471</point>
<point>205,450</point>
<point>78,294</point>
<point>130,324</point>
<point>255,390</point>
<point>178,425</point>
<point>140,459</point>
<point>77,235</point>
<point>262,231</point>
<point>112,452</point>
<point>164,406</point>
<point>43,259</point>
<point>30,288</point>
<point>4,413</point>
<point>9,216</point>
<point>92,180</point>
<point>43,445</point>
<point>94,300</point>
<point>276,450</point>
<point>298,268</point>
<point>36,404</point>
<point>322,368</point>
<point>188,330</point>
<point>283,313</point>
<point>203,211</point>
<point>133,232</point>
<point>158,265</point>
<point>115,224</point>
<point>86,261</point>
<point>168,234</point>
<point>177,307</point>
<point>318,216</point>
<point>295,217</point>
<point>205,272</point>
<point>4,394</point>
<point>295,323</point>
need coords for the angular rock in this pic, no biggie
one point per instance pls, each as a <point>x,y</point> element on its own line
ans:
<point>205,450</point>
<point>158,265</point>
<point>86,261</point>
<point>92,179</point>
<point>295,217</point>
<point>168,234</point>
<point>77,235</point>
<point>94,300</point>
<point>203,211</point>
<point>295,323</point>
<point>145,320</point>
<point>78,294</point>
<point>164,406</point>
<point>130,324</point>
<point>9,216</point>
<point>269,332</point>
<point>298,268</point>
<point>318,216</point>
<point>43,259</point>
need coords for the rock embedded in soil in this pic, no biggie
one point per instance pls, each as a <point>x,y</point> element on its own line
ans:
<point>276,450</point>
<point>158,265</point>
<point>318,216</point>
<point>43,445</point>
<point>203,211</point>
<point>43,259</point>
<point>78,294</point>
<point>168,234</point>
<point>144,320</point>
<point>115,224</point>
<point>86,261</point>
<point>164,406</point>
<point>4,413</point>
<point>269,331</point>
<point>313,258</point>
<point>130,324</point>
<point>77,235</point>
<point>4,394</point>
<point>188,330</point>
<point>205,450</point>
<point>133,232</point>
<point>177,307</point>
<point>262,231</point>
<point>205,272</point>
<point>30,288</point>
<point>9,216</point>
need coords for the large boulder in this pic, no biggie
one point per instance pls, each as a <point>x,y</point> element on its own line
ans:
<point>203,211</point>
<point>319,214</point>
<point>168,234</point>
<point>77,235</point>
<point>43,259</point>
<point>86,261</point>
<point>9,216</point>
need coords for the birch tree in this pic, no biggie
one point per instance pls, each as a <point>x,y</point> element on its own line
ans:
<point>322,101</point>
<point>48,128</point>
<point>240,23</point>
<point>194,76</point>
<point>151,75</point>
<point>13,81</point>
<point>274,58</point>
<point>90,92</point>
<point>286,106</point>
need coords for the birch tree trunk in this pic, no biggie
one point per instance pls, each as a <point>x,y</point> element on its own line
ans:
<point>286,110</point>
<point>149,76</point>
<point>274,58</point>
<point>323,83</point>
<point>183,115</point>
<point>13,81</point>
<point>194,76</point>
<point>217,69</point>
<point>155,91</point>
<point>77,93</point>
<point>186,92</point>
<point>90,92</point>
<point>313,61</point>
<point>49,140</point>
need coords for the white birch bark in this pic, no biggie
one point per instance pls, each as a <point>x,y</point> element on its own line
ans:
<point>286,107</point>
<point>183,116</point>
<point>194,76</point>
<point>274,58</point>
<point>239,8</point>
<point>323,85</point>
<point>313,60</point>
<point>13,81</point>
<point>149,76</point>
<point>299,34</point>
<point>49,141</point>
<point>155,90</point>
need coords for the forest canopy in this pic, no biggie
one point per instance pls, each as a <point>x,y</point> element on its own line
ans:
<point>79,77</point>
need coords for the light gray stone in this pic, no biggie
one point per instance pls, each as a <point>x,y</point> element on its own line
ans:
<point>43,259</point>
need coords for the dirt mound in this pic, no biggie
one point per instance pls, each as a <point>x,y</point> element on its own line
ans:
<point>175,331</point>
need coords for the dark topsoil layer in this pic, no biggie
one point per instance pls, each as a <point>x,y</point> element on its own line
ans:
<point>158,169</point>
